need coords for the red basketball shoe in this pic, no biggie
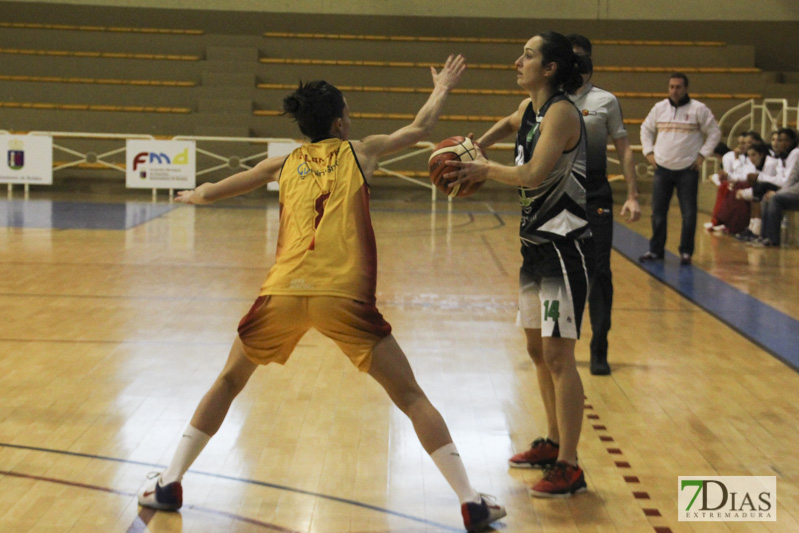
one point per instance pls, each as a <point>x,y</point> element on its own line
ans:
<point>561,480</point>
<point>542,452</point>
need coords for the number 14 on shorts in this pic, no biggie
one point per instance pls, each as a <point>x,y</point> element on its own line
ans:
<point>551,310</point>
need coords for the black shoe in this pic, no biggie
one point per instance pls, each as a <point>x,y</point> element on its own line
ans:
<point>599,366</point>
<point>762,242</point>
<point>649,256</point>
<point>685,259</point>
<point>746,235</point>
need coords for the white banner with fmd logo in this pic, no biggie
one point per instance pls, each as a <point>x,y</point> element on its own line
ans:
<point>727,498</point>
<point>26,159</point>
<point>160,164</point>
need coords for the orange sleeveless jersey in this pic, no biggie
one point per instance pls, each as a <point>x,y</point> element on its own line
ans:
<point>326,244</point>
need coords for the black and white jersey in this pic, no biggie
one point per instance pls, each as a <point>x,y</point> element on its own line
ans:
<point>554,210</point>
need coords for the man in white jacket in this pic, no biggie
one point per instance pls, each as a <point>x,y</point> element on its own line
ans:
<point>686,133</point>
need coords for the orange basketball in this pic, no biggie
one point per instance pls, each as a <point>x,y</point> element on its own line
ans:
<point>452,149</point>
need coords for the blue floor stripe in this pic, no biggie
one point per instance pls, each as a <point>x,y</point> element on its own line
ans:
<point>78,215</point>
<point>767,327</point>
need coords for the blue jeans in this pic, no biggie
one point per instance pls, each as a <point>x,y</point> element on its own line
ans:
<point>686,182</point>
<point>772,213</point>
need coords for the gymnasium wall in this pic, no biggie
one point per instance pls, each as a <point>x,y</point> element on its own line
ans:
<point>223,99</point>
<point>766,23</point>
<point>733,10</point>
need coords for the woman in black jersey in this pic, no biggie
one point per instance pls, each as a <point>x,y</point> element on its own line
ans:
<point>553,283</point>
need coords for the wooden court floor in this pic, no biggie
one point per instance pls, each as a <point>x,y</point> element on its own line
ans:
<point>109,337</point>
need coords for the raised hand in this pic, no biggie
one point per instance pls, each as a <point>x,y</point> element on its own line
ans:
<point>449,76</point>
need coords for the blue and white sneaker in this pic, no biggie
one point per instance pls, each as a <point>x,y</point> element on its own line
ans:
<point>162,497</point>
<point>478,516</point>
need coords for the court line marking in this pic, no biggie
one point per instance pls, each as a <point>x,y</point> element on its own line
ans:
<point>145,515</point>
<point>266,484</point>
<point>620,464</point>
<point>770,329</point>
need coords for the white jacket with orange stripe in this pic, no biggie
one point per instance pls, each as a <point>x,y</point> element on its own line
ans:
<point>683,133</point>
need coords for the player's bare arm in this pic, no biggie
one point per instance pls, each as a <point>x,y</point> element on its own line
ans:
<point>240,183</point>
<point>631,209</point>
<point>372,148</point>
<point>560,132</point>
<point>504,128</point>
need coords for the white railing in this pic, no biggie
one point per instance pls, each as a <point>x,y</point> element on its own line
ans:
<point>114,159</point>
<point>109,158</point>
<point>234,161</point>
<point>770,114</point>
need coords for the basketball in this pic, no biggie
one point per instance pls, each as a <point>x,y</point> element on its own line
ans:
<point>452,149</point>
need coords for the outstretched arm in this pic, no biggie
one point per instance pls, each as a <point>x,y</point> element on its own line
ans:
<point>235,185</point>
<point>370,149</point>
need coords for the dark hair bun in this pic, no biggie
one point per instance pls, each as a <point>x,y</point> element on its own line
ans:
<point>295,102</point>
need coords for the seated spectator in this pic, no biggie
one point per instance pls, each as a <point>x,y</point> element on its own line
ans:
<point>766,178</point>
<point>729,214</point>
<point>774,206</point>
<point>744,166</point>
<point>773,143</point>
<point>753,137</point>
<point>787,151</point>
<point>725,156</point>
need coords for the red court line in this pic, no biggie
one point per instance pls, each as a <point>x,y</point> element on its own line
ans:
<point>64,482</point>
<point>638,495</point>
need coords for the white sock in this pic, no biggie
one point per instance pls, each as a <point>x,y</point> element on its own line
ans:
<point>448,461</point>
<point>191,444</point>
<point>756,226</point>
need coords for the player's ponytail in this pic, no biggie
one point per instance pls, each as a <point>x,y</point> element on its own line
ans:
<point>557,49</point>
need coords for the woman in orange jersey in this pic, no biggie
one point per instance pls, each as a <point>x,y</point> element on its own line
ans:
<point>324,277</point>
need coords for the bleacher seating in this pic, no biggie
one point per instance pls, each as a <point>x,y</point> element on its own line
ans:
<point>172,81</point>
